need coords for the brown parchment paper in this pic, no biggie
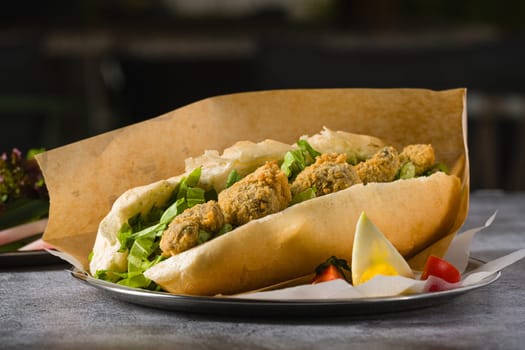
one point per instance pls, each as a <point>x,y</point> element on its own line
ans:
<point>85,178</point>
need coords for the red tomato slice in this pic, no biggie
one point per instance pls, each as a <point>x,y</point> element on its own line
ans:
<point>329,273</point>
<point>441,268</point>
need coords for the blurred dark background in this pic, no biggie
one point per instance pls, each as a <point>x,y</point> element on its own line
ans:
<point>74,69</point>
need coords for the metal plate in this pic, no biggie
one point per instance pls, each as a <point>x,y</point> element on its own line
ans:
<point>279,308</point>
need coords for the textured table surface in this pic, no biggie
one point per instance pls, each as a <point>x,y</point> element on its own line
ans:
<point>45,307</point>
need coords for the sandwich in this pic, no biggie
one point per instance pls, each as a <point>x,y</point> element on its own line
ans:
<point>263,213</point>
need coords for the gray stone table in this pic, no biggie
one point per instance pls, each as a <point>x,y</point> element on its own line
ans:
<point>46,307</point>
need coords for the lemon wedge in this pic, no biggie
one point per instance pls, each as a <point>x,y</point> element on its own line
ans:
<point>373,254</point>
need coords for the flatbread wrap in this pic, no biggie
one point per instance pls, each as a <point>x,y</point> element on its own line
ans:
<point>278,229</point>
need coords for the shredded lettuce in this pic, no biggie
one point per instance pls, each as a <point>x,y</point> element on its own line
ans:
<point>194,196</point>
<point>407,171</point>
<point>438,167</point>
<point>190,181</point>
<point>204,236</point>
<point>173,210</point>
<point>305,146</point>
<point>193,178</point>
<point>141,235</point>
<point>296,160</point>
<point>109,275</point>
<point>307,194</point>
<point>138,261</point>
<point>224,229</point>
<point>233,177</point>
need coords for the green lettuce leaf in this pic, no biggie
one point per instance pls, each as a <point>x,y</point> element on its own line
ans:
<point>296,160</point>
<point>141,235</point>
<point>233,177</point>
<point>307,194</point>
<point>407,171</point>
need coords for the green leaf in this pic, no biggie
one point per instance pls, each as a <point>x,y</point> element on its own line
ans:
<point>137,255</point>
<point>135,281</point>
<point>152,230</point>
<point>173,210</point>
<point>407,171</point>
<point>308,149</point>
<point>124,237</point>
<point>438,167</point>
<point>204,236</point>
<point>138,260</point>
<point>307,194</point>
<point>110,276</point>
<point>194,196</point>
<point>31,153</point>
<point>182,189</point>
<point>296,160</point>
<point>233,177</point>
<point>293,163</point>
<point>194,177</point>
<point>186,182</point>
<point>224,229</point>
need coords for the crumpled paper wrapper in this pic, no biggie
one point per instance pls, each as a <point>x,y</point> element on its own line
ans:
<point>85,178</point>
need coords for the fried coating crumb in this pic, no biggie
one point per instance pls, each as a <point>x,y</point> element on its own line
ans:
<point>263,192</point>
<point>421,155</point>
<point>330,173</point>
<point>382,167</point>
<point>183,232</point>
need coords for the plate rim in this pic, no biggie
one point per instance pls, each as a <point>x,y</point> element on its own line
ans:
<point>217,304</point>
